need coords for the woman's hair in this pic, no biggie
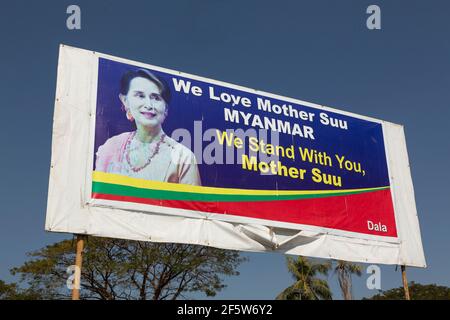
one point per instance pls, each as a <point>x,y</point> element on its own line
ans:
<point>143,73</point>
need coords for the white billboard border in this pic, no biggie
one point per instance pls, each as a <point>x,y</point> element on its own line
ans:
<point>89,165</point>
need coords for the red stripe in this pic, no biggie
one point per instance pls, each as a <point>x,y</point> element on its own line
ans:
<point>348,213</point>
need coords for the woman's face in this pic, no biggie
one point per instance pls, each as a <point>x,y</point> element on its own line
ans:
<point>145,103</point>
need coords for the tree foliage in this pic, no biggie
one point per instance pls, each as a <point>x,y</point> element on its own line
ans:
<point>11,291</point>
<point>8,291</point>
<point>344,271</point>
<point>417,291</point>
<point>307,285</point>
<point>127,270</point>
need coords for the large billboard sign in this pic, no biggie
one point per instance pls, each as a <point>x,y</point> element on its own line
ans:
<point>146,153</point>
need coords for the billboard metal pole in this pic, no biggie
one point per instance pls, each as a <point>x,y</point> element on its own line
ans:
<point>405,283</point>
<point>78,263</point>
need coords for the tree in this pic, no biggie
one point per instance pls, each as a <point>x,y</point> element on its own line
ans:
<point>417,291</point>
<point>7,291</point>
<point>11,291</point>
<point>307,285</point>
<point>122,269</point>
<point>344,270</point>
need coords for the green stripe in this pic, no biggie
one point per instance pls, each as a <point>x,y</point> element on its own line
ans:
<point>116,189</point>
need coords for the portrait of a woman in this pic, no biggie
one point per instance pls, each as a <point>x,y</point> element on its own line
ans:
<point>147,152</point>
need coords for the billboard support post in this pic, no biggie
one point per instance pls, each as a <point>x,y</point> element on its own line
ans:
<point>78,263</point>
<point>405,283</point>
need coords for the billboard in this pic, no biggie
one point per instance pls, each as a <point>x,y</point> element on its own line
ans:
<point>146,153</point>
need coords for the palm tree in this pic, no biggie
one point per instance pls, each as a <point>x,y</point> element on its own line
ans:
<point>307,285</point>
<point>344,271</point>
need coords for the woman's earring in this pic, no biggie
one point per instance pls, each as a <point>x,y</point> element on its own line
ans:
<point>129,116</point>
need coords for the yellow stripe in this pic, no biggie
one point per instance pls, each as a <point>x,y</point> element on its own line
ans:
<point>98,176</point>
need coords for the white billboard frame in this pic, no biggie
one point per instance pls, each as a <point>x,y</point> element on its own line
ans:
<point>71,209</point>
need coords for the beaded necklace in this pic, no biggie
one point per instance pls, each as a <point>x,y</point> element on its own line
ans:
<point>149,160</point>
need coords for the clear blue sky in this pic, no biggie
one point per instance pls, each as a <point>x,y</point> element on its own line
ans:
<point>318,51</point>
